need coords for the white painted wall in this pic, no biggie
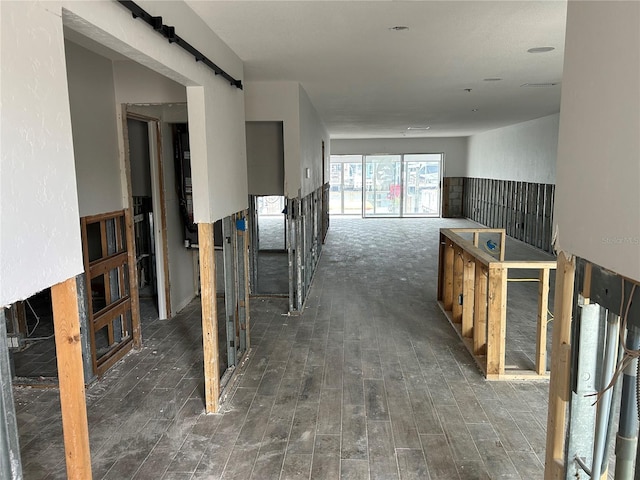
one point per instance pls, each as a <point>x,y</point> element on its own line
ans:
<point>312,134</point>
<point>265,158</point>
<point>279,102</point>
<point>95,141</point>
<point>523,152</point>
<point>598,172</point>
<point>304,131</point>
<point>218,144</point>
<point>39,229</point>
<point>454,149</point>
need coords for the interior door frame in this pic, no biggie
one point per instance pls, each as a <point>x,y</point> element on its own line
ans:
<point>158,202</point>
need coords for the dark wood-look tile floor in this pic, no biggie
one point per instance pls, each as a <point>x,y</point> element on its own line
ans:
<point>370,382</point>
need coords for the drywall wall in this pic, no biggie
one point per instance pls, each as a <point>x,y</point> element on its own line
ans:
<point>523,152</point>
<point>279,102</point>
<point>39,229</point>
<point>180,258</point>
<point>93,121</point>
<point>312,134</point>
<point>453,148</point>
<point>598,171</point>
<point>218,144</point>
<point>136,83</point>
<point>265,158</point>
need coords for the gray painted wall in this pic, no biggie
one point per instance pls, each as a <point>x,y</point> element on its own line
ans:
<point>138,133</point>
<point>265,158</point>
<point>523,152</point>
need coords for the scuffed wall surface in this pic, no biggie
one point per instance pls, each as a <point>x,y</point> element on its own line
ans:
<point>597,214</point>
<point>93,121</point>
<point>39,227</point>
<point>523,152</point>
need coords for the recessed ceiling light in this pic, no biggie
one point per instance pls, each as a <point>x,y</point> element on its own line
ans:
<point>541,49</point>
<point>474,110</point>
<point>417,128</point>
<point>399,28</point>
<point>546,84</point>
<point>492,79</point>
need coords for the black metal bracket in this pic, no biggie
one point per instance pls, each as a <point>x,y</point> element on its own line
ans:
<point>170,34</point>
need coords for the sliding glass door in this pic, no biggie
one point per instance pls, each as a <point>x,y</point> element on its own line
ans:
<point>421,186</point>
<point>345,194</point>
<point>383,192</point>
<point>386,185</point>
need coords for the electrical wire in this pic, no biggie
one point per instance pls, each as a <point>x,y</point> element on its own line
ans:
<point>629,355</point>
<point>37,319</point>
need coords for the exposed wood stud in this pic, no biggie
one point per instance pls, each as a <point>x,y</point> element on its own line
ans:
<point>543,307</point>
<point>560,367</point>
<point>209,316</point>
<point>496,321</point>
<point>66,322</point>
<point>458,266</point>
<point>447,298</point>
<point>468,294</point>
<point>480,309</point>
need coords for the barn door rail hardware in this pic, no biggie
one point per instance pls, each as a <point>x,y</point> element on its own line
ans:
<point>170,34</point>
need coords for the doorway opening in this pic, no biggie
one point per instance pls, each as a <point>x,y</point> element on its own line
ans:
<point>269,240</point>
<point>149,218</point>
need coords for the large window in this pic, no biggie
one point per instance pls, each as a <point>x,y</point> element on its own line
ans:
<point>394,185</point>
<point>345,196</point>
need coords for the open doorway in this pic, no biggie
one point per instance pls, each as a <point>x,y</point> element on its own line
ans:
<point>149,218</point>
<point>269,240</point>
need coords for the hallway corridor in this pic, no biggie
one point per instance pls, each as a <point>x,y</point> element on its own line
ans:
<point>371,382</point>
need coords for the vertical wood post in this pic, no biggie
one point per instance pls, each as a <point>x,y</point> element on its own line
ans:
<point>458,267</point>
<point>496,320</point>
<point>66,321</point>
<point>560,367</point>
<point>441,245</point>
<point>543,306</point>
<point>209,316</point>
<point>447,295</point>
<point>468,293</point>
<point>480,310</point>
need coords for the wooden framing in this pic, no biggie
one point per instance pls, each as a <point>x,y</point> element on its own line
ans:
<point>156,152</point>
<point>209,316</point>
<point>75,428</point>
<point>559,392</point>
<point>480,319</point>
<point>126,304</point>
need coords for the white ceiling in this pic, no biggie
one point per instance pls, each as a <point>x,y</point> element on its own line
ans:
<point>366,80</point>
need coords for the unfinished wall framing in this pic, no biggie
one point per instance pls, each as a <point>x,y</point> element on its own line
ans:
<point>472,292</point>
<point>305,225</point>
<point>523,209</point>
<point>594,311</point>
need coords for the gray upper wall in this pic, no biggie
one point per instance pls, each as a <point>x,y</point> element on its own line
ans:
<point>524,152</point>
<point>453,148</point>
